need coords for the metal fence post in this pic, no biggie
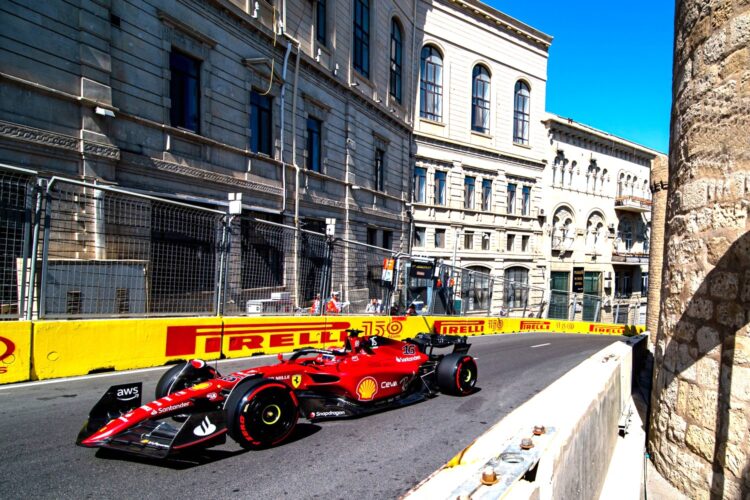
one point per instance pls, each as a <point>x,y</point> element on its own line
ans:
<point>45,250</point>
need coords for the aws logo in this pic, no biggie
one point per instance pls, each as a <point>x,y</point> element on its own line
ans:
<point>128,393</point>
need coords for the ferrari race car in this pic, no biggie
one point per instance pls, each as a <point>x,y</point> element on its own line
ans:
<point>196,407</point>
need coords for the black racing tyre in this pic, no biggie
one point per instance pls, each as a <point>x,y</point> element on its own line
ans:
<point>261,413</point>
<point>457,374</point>
<point>183,375</point>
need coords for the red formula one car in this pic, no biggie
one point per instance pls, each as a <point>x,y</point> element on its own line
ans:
<point>259,407</point>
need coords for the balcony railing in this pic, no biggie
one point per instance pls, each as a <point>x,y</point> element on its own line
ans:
<point>632,204</point>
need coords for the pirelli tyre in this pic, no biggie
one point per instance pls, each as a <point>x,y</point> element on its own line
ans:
<point>457,374</point>
<point>261,413</point>
<point>184,375</point>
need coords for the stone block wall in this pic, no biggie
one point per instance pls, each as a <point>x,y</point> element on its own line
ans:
<point>700,420</point>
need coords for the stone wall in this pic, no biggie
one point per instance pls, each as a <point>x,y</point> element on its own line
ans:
<point>659,183</point>
<point>700,436</point>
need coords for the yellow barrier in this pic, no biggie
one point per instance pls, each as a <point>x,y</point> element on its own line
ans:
<point>15,351</point>
<point>68,348</point>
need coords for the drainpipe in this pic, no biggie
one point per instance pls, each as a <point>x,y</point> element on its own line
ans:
<point>282,106</point>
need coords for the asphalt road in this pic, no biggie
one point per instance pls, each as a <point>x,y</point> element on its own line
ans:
<point>379,456</point>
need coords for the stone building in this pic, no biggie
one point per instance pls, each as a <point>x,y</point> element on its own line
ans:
<point>295,104</point>
<point>480,146</point>
<point>597,213</point>
<point>700,422</point>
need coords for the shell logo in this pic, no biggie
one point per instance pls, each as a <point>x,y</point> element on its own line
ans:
<point>367,388</point>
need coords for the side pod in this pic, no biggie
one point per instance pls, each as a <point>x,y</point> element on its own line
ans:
<point>118,399</point>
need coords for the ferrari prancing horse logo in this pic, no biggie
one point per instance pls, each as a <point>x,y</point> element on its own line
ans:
<point>296,380</point>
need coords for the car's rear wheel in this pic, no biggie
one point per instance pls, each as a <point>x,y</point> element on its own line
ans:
<point>457,374</point>
<point>184,375</point>
<point>261,413</point>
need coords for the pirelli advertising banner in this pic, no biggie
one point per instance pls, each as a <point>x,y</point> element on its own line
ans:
<point>15,351</point>
<point>68,348</point>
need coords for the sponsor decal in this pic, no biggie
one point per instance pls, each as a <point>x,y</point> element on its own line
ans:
<point>495,325</point>
<point>389,384</point>
<point>562,326</point>
<point>167,409</point>
<point>607,329</point>
<point>408,349</point>
<point>384,327</point>
<point>535,325</point>
<point>329,413</point>
<point>459,327</point>
<point>7,348</point>
<point>185,340</point>
<point>407,359</point>
<point>404,382</point>
<point>205,428</point>
<point>296,380</point>
<point>127,393</point>
<point>281,377</point>
<point>201,386</point>
<point>367,388</point>
<point>211,396</point>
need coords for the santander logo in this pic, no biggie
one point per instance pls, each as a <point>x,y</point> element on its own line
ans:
<point>205,428</point>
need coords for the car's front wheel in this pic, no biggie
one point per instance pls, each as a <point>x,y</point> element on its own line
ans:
<point>261,413</point>
<point>184,375</point>
<point>457,374</point>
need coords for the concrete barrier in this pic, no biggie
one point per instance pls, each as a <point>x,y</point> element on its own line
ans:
<point>583,409</point>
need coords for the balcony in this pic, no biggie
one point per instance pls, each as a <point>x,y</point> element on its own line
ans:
<point>632,204</point>
<point>621,256</point>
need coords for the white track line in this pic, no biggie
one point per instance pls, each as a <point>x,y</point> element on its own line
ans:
<point>539,345</point>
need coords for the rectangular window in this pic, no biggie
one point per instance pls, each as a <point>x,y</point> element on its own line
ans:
<point>396,60</point>
<point>321,25</point>
<point>644,283</point>
<point>314,127</point>
<point>372,236</point>
<point>486,238</point>
<point>623,284</point>
<point>511,201</point>
<point>525,243</point>
<point>184,91</point>
<point>361,56</point>
<point>469,192</point>
<point>388,240</point>
<point>468,240</point>
<point>261,124</point>
<point>486,195</point>
<point>559,295</point>
<point>440,188</point>
<point>419,236</point>
<point>439,238</point>
<point>379,170</point>
<point>420,185</point>
<point>526,200</point>
<point>510,243</point>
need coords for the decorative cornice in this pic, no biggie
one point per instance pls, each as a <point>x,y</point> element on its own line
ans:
<point>100,149</point>
<point>38,136</point>
<point>322,200</point>
<point>198,173</point>
<point>466,148</point>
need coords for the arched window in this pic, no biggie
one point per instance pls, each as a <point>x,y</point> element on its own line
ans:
<point>516,287</point>
<point>431,84</point>
<point>397,57</point>
<point>480,99</point>
<point>521,112</point>
<point>476,288</point>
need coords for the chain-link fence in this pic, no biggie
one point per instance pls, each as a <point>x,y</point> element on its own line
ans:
<point>16,216</point>
<point>103,251</point>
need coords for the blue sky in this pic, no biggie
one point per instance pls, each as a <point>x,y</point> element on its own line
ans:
<point>610,64</point>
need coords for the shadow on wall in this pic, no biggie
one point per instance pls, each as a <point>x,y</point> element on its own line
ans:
<point>703,345</point>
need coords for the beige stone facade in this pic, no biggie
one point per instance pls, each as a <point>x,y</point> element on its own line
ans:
<point>462,208</point>
<point>597,222</point>
<point>700,419</point>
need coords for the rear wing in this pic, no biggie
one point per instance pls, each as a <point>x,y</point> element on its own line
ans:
<point>427,342</point>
